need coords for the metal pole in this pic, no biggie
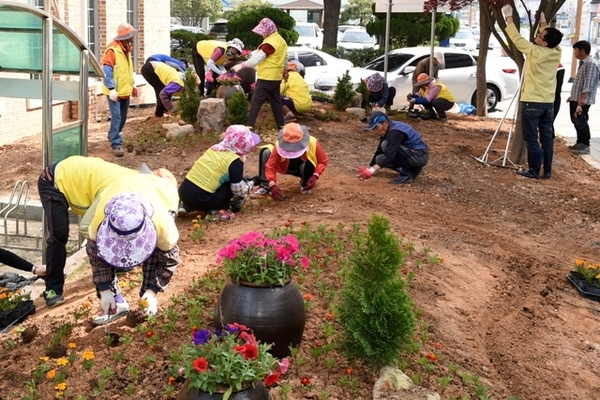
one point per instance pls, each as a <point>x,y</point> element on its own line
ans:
<point>47,68</point>
<point>387,39</point>
<point>576,38</point>
<point>83,101</point>
<point>432,39</point>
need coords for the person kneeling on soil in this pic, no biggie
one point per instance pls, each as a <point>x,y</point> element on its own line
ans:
<point>216,181</point>
<point>132,223</point>
<point>432,95</point>
<point>379,91</point>
<point>295,94</point>
<point>296,153</point>
<point>401,148</point>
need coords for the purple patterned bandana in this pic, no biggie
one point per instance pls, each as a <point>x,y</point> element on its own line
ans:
<point>265,28</point>
<point>127,236</point>
<point>238,139</point>
<point>375,82</point>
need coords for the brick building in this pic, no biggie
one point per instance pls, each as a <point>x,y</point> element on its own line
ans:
<point>96,22</point>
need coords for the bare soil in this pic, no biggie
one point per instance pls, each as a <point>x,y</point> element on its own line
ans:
<point>498,305</point>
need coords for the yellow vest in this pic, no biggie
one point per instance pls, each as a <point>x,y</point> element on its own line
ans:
<point>271,68</point>
<point>444,93</point>
<point>80,179</point>
<point>211,170</point>
<point>168,74</point>
<point>122,72</point>
<point>206,48</point>
<point>296,89</point>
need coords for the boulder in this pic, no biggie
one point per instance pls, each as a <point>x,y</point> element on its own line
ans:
<point>393,384</point>
<point>175,130</point>
<point>359,112</point>
<point>211,115</point>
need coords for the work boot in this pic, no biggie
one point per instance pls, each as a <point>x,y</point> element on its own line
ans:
<point>535,164</point>
<point>118,151</point>
<point>582,151</point>
<point>415,171</point>
<point>404,177</point>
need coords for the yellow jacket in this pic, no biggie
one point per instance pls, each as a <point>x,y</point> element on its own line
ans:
<point>122,72</point>
<point>168,74</point>
<point>444,92</point>
<point>211,170</point>
<point>296,89</point>
<point>206,48</point>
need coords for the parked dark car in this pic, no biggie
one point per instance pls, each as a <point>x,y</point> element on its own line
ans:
<point>219,30</point>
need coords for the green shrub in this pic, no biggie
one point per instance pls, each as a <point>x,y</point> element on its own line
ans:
<point>241,25</point>
<point>344,92</point>
<point>187,41</point>
<point>375,310</point>
<point>190,98</point>
<point>237,109</point>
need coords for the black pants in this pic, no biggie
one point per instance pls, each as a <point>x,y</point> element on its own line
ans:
<point>154,81</point>
<point>581,123</point>
<point>200,67</point>
<point>197,199</point>
<point>296,167</point>
<point>440,106</point>
<point>263,91</point>
<point>56,208</point>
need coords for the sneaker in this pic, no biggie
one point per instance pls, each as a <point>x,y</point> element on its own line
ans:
<point>182,211</point>
<point>309,191</point>
<point>528,173</point>
<point>401,179</point>
<point>443,119</point>
<point>237,203</point>
<point>53,299</point>
<point>122,310</point>
<point>576,146</point>
<point>582,151</point>
<point>118,151</point>
<point>260,192</point>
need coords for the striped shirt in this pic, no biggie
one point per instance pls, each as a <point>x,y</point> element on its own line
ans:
<point>586,80</point>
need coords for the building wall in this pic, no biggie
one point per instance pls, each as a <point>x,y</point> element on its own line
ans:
<point>18,119</point>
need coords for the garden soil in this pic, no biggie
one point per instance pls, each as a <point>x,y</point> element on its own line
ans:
<point>498,305</point>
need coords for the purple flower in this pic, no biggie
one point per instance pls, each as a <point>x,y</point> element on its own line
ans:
<point>201,337</point>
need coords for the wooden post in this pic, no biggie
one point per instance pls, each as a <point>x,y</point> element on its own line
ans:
<point>576,38</point>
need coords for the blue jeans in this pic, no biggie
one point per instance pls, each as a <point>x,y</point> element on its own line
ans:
<point>118,117</point>
<point>537,117</point>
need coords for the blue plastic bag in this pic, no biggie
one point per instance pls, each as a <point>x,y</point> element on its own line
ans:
<point>466,109</point>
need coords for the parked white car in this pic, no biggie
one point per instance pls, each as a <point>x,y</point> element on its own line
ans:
<point>310,35</point>
<point>458,72</point>
<point>317,63</point>
<point>464,39</point>
<point>355,39</point>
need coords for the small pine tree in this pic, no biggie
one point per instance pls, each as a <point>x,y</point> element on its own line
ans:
<point>344,93</point>
<point>190,98</point>
<point>375,310</point>
<point>237,109</point>
<point>362,89</point>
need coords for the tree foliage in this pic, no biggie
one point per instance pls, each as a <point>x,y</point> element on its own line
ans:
<point>241,25</point>
<point>191,12</point>
<point>244,5</point>
<point>360,10</point>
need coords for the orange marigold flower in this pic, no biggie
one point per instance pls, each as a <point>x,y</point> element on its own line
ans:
<point>579,262</point>
<point>72,345</point>
<point>51,374</point>
<point>329,317</point>
<point>305,381</point>
<point>172,380</point>
<point>348,371</point>
<point>44,358</point>
<point>318,343</point>
<point>144,303</point>
<point>88,355</point>
<point>432,357</point>
<point>308,297</point>
<point>86,304</point>
<point>61,386</point>
<point>437,345</point>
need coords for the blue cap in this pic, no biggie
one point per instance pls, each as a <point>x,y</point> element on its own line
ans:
<point>375,119</point>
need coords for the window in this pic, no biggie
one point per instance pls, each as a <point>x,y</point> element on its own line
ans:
<point>395,61</point>
<point>36,3</point>
<point>91,27</point>
<point>309,59</point>
<point>457,60</point>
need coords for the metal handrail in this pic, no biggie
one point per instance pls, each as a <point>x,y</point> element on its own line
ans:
<point>12,205</point>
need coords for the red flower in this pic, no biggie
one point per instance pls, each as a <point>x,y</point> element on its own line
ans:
<point>248,338</point>
<point>305,381</point>
<point>272,379</point>
<point>249,351</point>
<point>152,348</point>
<point>308,297</point>
<point>432,357</point>
<point>329,317</point>
<point>348,371</point>
<point>438,345</point>
<point>200,364</point>
<point>149,334</point>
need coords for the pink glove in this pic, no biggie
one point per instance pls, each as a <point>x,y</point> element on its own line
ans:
<point>208,76</point>
<point>365,173</point>
<point>276,193</point>
<point>312,181</point>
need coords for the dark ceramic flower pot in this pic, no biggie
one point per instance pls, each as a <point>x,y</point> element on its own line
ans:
<point>584,288</point>
<point>18,315</point>
<point>276,314</point>
<point>258,392</point>
<point>227,91</point>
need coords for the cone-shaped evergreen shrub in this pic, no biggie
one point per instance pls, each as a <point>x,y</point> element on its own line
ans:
<point>190,98</point>
<point>344,93</point>
<point>375,310</point>
<point>237,109</point>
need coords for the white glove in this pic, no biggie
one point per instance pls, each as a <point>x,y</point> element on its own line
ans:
<point>236,67</point>
<point>107,299</point>
<point>507,10</point>
<point>542,18</point>
<point>150,297</point>
<point>113,95</point>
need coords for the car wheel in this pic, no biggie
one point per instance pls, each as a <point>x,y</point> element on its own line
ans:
<point>492,97</point>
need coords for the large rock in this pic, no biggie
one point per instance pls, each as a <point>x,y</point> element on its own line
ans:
<point>211,115</point>
<point>395,385</point>
<point>359,112</point>
<point>175,130</point>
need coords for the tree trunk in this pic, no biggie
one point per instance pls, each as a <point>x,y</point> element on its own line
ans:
<point>481,80</point>
<point>330,22</point>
